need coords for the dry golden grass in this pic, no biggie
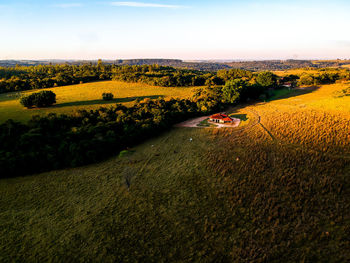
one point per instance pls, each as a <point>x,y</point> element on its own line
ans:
<point>318,119</point>
<point>302,70</point>
<point>86,96</point>
<point>285,179</point>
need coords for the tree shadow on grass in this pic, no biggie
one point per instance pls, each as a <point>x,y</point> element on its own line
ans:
<point>102,102</point>
<point>279,95</point>
<point>293,92</point>
<point>242,117</point>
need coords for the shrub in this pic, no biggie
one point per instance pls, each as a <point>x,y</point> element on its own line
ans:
<point>306,79</point>
<point>27,101</point>
<point>107,96</point>
<point>41,99</point>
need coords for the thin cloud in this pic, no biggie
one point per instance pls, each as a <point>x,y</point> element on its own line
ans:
<point>141,4</point>
<point>68,5</point>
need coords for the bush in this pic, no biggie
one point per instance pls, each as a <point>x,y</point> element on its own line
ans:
<point>27,101</point>
<point>41,99</point>
<point>107,96</point>
<point>306,79</point>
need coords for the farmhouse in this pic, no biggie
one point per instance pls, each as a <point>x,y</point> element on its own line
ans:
<point>221,118</point>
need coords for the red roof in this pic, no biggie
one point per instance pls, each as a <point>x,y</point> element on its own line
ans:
<point>219,116</point>
<point>227,119</point>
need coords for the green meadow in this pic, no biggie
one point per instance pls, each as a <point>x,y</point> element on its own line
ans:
<point>86,96</point>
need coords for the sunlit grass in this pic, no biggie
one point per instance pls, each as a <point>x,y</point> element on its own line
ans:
<point>87,96</point>
<point>300,71</point>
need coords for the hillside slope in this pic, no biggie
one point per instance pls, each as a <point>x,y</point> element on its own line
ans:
<point>87,96</point>
<point>276,189</point>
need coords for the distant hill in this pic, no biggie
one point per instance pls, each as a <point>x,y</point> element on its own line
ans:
<point>286,64</point>
<point>176,63</point>
<point>203,65</point>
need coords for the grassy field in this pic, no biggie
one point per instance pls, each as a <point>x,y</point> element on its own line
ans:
<point>86,96</point>
<point>300,71</point>
<point>275,189</point>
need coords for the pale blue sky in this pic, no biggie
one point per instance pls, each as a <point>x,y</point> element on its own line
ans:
<point>192,29</point>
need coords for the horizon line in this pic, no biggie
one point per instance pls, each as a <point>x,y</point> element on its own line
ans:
<point>184,60</point>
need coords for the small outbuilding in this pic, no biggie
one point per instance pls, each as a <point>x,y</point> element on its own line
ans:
<point>221,118</point>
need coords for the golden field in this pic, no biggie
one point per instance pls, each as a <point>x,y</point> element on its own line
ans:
<point>301,71</point>
<point>319,119</point>
<point>86,96</point>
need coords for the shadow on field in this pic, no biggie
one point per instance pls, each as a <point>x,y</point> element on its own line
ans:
<point>294,92</point>
<point>242,117</point>
<point>279,94</point>
<point>101,102</point>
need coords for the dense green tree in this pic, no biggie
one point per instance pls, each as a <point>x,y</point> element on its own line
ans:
<point>266,79</point>
<point>231,74</point>
<point>41,99</point>
<point>306,79</point>
<point>232,90</point>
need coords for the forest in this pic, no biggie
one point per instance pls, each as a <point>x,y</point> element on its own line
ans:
<point>20,78</point>
<point>46,76</point>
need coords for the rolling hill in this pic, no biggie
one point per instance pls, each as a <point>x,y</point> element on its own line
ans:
<point>276,189</point>
<point>86,96</point>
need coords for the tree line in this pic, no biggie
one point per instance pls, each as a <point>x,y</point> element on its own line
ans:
<point>324,76</point>
<point>21,78</point>
<point>60,141</point>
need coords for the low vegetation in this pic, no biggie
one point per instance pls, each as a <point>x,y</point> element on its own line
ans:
<point>343,93</point>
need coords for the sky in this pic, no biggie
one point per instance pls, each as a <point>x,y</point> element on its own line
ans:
<point>179,29</point>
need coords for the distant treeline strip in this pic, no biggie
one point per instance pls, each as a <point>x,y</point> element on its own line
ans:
<point>46,76</point>
<point>261,65</point>
<point>21,78</point>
